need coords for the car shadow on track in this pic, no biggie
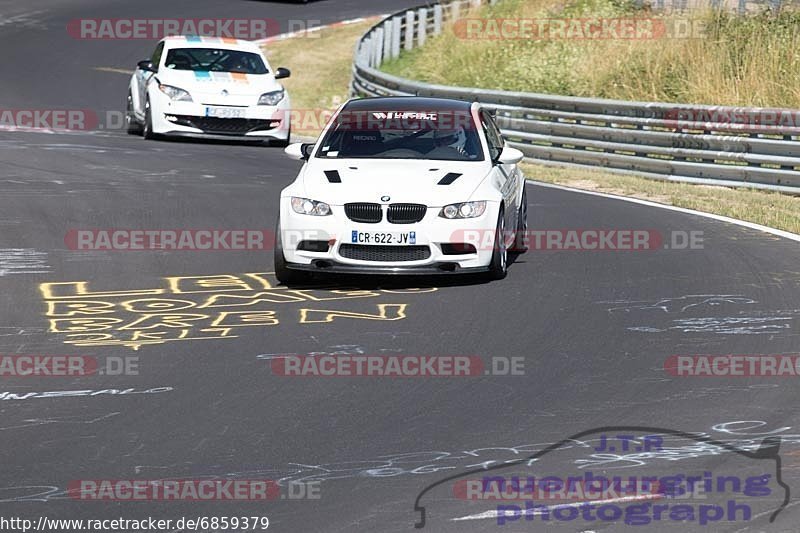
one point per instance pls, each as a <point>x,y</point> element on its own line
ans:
<point>285,1</point>
<point>378,282</point>
<point>323,281</point>
<point>217,142</point>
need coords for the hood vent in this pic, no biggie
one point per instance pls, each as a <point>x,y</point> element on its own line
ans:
<point>449,178</point>
<point>333,176</point>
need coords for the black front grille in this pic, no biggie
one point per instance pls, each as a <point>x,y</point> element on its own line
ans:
<point>363,212</point>
<point>406,213</point>
<point>387,254</point>
<point>226,126</point>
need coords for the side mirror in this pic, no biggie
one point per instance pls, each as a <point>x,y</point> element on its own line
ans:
<point>146,65</point>
<point>282,73</point>
<point>510,156</point>
<point>299,151</point>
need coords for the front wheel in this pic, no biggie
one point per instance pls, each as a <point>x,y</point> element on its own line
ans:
<point>147,131</point>
<point>282,273</point>
<point>498,268</point>
<point>132,125</point>
<point>521,235</point>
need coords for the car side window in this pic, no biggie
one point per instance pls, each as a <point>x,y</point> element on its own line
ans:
<point>497,133</point>
<point>493,136</point>
<point>156,58</point>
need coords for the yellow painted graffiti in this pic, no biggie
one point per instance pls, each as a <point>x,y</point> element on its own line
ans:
<point>190,308</point>
<point>385,312</point>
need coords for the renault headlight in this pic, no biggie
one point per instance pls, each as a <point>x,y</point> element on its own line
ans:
<point>272,98</point>
<point>175,94</point>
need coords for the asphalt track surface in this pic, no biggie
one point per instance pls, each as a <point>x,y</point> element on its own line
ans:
<point>593,328</point>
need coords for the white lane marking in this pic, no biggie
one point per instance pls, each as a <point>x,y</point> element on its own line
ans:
<point>751,225</point>
<point>41,129</point>
<point>23,20</point>
<point>23,261</point>
<point>31,422</point>
<point>15,396</point>
<point>284,36</point>
<point>114,70</point>
<point>492,513</point>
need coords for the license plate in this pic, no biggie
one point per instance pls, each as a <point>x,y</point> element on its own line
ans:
<point>379,237</point>
<point>225,112</point>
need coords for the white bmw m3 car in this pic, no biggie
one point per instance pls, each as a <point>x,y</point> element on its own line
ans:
<point>403,185</point>
<point>209,87</point>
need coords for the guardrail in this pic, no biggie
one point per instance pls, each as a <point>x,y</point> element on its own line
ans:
<point>750,147</point>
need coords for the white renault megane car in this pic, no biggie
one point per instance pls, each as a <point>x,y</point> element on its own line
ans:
<point>211,88</point>
<point>403,185</point>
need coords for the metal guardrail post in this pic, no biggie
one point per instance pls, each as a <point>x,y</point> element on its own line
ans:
<point>387,40</point>
<point>409,36</point>
<point>397,23</point>
<point>422,30</point>
<point>377,48</point>
<point>365,51</point>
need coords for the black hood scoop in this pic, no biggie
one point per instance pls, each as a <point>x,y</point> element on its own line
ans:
<point>449,178</point>
<point>333,176</point>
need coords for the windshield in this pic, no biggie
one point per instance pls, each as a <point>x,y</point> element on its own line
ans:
<point>215,60</point>
<point>403,135</point>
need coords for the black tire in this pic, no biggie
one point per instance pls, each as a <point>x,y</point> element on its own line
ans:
<point>520,238</point>
<point>147,130</point>
<point>282,273</point>
<point>498,268</point>
<point>133,127</point>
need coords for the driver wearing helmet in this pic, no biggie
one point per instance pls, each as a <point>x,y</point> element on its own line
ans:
<point>449,144</point>
<point>237,63</point>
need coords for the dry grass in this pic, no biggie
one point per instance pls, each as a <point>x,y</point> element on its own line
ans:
<point>728,60</point>
<point>767,208</point>
<point>321,71</point>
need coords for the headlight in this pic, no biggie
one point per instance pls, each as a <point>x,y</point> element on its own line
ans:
<point>304,206</point>
<point>463,210</point>
<point>174,93</point>
<point>272,98</point>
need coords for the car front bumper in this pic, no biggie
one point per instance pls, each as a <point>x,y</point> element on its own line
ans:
<point>189,119</point>
<point>430,255</point>
<point>325,266</point>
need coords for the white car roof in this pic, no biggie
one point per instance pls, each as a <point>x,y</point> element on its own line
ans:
<point>184,41</point>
